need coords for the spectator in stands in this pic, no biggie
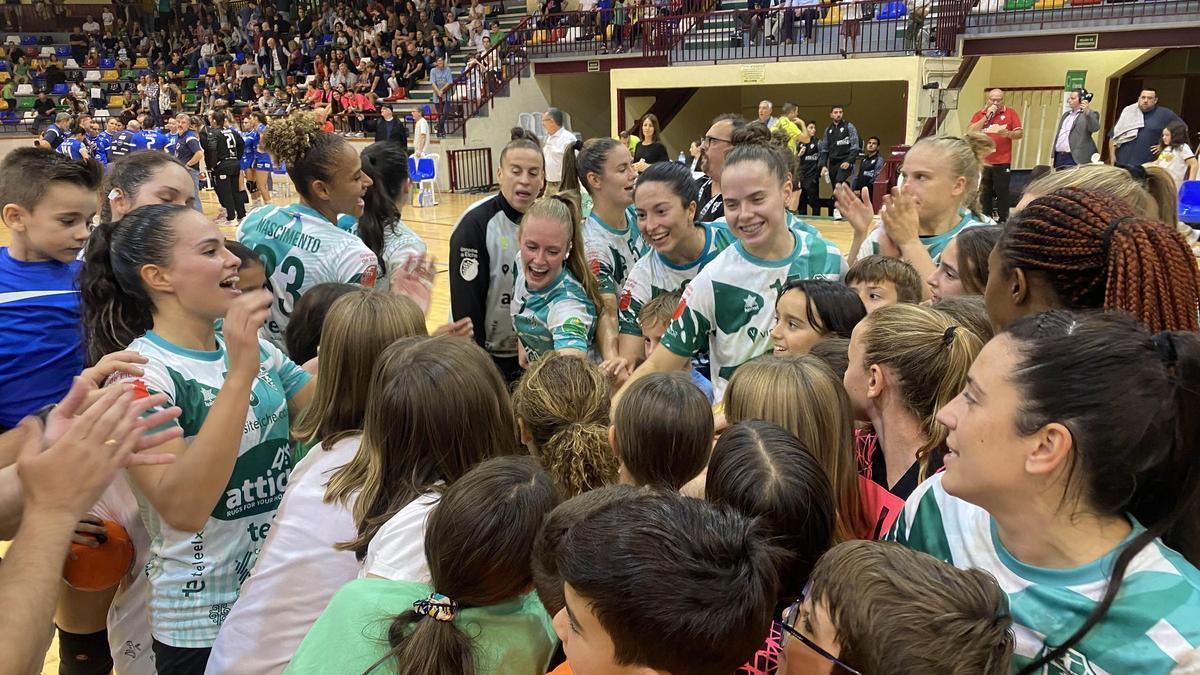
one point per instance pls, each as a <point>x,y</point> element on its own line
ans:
<point>390,128</point>
<point>247,74</point>
<point>44,109</point>
<point>651,149</point>
<point>54,74</point>
<point>8,93</point>
<point>441,78</point>
<point>90,26</point>
<point>275,62</point>
<point>1138,131</point>
<point>1073,142</point>
<point>1003,125</point>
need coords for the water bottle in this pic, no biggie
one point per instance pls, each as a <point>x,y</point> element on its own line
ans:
<point>682,158</point>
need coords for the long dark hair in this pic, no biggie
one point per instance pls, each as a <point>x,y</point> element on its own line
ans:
<point>386,163</point>
<point>1129,400</point>
<point>115,305</point>
<point>831,305</point>
<point>129,174</point>
<point>479,544</point>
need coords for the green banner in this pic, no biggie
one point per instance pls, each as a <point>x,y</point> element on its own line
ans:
<point>1075,79</point>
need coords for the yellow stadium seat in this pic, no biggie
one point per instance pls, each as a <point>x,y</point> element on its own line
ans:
<point>834,16</point>
<point>1050,4</point>
<point>3,104</point>
<point>111,75</point>
<point>141,62</point>
<point>4,76</point>
<point>117,101</point>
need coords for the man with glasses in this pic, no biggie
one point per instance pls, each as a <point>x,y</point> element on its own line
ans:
<point>715,145</point>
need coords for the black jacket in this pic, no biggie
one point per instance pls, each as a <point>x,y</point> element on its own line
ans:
<point>839,144</point>
<point>395,131</point>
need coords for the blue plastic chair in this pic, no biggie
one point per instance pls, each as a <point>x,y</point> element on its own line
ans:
<point>239,57</point>
<point>60,89</point>
<point>108,63</point>
<point>892,10</point>
<point>1189,202</point>
<point>4,65</point>
<point>28,40</point>
<point>62,51</point>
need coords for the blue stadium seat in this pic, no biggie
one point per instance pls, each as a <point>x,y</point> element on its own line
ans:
<point>60,89</point>
<point>62,51</point>
<point>1189,202</point>
<point>108,63</point>
<point>892,10</point>
<point>28,40</point>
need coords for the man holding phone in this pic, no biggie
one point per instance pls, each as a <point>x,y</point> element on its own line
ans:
<point>1003,126</point>
<point>1073,142</point>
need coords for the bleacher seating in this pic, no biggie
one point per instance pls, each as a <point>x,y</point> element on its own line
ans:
<point>108,63</point>
<point>60,89</point>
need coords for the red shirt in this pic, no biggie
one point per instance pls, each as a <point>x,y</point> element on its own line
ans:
<point>1005,118</point>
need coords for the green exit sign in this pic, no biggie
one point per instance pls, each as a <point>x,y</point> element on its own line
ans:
<point>1087,41</point>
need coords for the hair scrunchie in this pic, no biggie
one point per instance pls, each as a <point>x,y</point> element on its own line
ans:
<point>437,607</point>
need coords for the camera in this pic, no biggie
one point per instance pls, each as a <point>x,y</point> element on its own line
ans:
<point>1085,95</point>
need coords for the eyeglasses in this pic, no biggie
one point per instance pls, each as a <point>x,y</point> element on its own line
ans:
<point>789,619</point>
<point>709,140</point>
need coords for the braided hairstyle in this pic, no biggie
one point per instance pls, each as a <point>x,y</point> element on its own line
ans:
<point>1096,252</point>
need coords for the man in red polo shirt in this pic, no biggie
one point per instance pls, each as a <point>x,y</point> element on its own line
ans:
<point>1002,125</point>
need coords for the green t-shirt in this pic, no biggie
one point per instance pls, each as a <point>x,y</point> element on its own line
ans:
<point>510,638</point>
<point>1153,625</point>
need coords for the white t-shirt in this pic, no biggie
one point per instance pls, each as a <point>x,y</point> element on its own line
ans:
<point>397,551</point>
<point>128,620</point>
<point>297,572</point>
<point>1174,160</point>
<point>107,17</point>
<point>91,27</point>
<point>556,144</point>
<point>420,129</point>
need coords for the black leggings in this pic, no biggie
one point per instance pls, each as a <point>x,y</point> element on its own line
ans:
<point>225,182</point>
<point>170,660</point>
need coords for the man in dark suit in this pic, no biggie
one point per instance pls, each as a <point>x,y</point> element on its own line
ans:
<point>390,128</point>
<point>1073,142</point>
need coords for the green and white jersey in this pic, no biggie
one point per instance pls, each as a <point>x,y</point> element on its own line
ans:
<point>611,253</point>
<point>195,576</point>
<point>559,316</point>
<point>654,275</point>
<point>301,249</point>
<point>1153,625</point>
<point>730,306</point>
<point>399,244</point>
<point>934,243</point>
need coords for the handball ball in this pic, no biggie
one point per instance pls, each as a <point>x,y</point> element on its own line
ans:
<point>96,569</point>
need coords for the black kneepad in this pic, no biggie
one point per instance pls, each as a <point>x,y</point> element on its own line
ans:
<point>84,654</point>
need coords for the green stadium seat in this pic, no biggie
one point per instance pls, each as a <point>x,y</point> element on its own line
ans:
<point>189,99</point>
<point>25,103</point>
<point>191,85</point>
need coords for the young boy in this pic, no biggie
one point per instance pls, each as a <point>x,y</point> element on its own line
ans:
<point>654,318</point>
<point>857,591</point>
<point>880,281</point>
<point>659,582</point>
<point>47,200</point>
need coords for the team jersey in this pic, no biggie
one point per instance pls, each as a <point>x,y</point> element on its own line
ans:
<point>41,344</point>
<point>729,306</point>
<point>611,253</point>
<point>399,244</point>
<point>301,249</point>
<point>172,143</point>
<point>654,275</point>
<point>126,142</point>
<point>53,135</point>
<point>72,147</point>
<point>195,576</point>
<point>159,139</point>
<point>559,316</point>
<point>103,141</point>
<point>250,138</point>
<point>1153,625</point>
<point>262,159</point>
<point>483,254</point>
<point>934,243</point>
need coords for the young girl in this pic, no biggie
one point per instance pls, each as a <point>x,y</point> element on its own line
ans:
<point>963,267</point>
<point>801,394</point>
<point>1082,249</point>
<point>662,431</point>
<point>665,205</point>
<point>483,253</point>
<point>610,233</point>
<point>380,227</point>
<point>1176,155</point>
<point>1084,425</point>
<point>561,405</point>
<point>301,243</point>
<point>475,615</point>
<point>810,310</point>
<point>300,567</point>
<point>141,179</point>
<point>157,280</point>
<point>415,444</point>
<point>556,299</point>
<point>938,200</point>
<point>725,307</point>
<point>906,362</point>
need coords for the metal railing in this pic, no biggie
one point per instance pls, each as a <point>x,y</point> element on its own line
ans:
<point>600,32</point>
<point>482,79</point>
<point>994,16</point>
<point>471,170</point>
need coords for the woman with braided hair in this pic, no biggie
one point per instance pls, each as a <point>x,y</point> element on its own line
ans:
<point>1082,249</point>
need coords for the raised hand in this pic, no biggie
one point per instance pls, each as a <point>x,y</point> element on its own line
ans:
<point>414,280</point>
<point>901,221</point>
<point>245,317</point>
<point>855,208</point>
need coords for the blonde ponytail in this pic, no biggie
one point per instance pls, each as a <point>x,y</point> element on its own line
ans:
<point>965,156</point>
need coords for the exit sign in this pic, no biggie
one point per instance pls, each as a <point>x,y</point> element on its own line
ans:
<point>1087,41</point>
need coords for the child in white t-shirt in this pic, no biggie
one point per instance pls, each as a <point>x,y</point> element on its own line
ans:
<point>1176,156</point>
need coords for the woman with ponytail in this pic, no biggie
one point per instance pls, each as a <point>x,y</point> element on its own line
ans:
<point>154,283</point>
<point>556,299</point>
<point>1071,477</point>
<point>142,179</point>
<point>611,237</point>
<point>906,362</point>
<point>562,405</point>
<point>379,226</point>
<point>309,243</point>
<point>1084,249</point>
<point>476,615</point>
<point>939,199</point>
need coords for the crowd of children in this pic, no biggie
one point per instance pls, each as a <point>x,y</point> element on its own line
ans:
<point>642,443</point>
